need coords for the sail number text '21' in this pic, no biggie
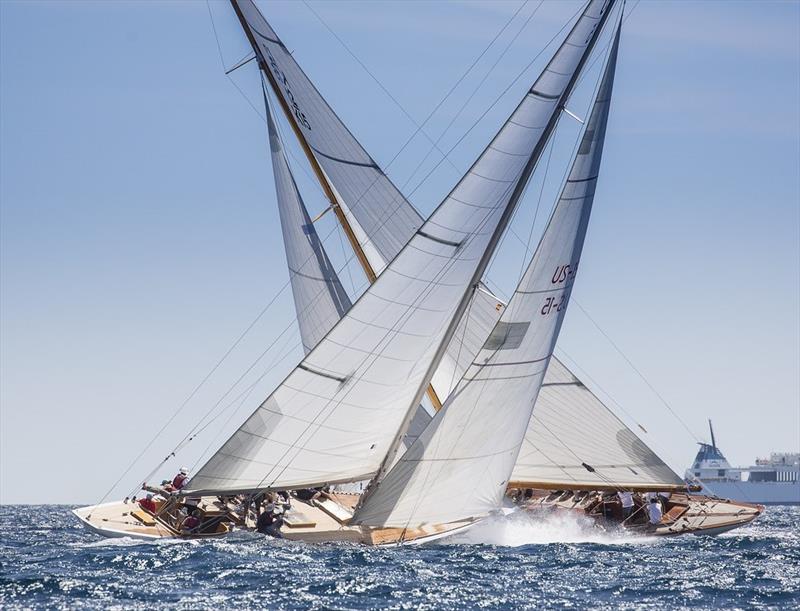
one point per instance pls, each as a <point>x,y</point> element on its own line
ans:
<point>301,117</point>
<point>563,273</point>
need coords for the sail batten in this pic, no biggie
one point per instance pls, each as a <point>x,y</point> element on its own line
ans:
<point>387,346</point>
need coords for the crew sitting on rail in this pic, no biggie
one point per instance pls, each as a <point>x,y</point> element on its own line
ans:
<point>148,504</point>
<point>654,512</point>
<point>180,480</point>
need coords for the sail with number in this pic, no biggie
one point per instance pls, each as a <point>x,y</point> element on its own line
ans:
<point>379,214</point>
<point>568,416</point>
<point>470,448</point>
<point>341,412</point>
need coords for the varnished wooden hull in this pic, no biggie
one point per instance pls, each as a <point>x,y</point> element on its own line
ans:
<point>310,523</point>
<point>687,514</point>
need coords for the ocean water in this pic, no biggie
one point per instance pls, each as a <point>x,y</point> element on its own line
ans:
<point>48,560</point>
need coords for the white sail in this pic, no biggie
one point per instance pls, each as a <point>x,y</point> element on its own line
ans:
<point>339,414</point>
<point>469,449</point>
<point>574,441</point>
<point>319,297</point>
<point>380,214</point>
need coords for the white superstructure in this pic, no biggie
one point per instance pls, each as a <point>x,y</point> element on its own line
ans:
<point>771,481</point>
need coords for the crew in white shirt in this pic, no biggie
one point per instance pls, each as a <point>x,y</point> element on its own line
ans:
<point>654,512</point>
<point>626,498</point>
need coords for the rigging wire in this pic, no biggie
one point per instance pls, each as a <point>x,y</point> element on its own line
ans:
<point>472,95</point>
<point>256,110</point>
<point>419,126</point>
<point>638,372</point>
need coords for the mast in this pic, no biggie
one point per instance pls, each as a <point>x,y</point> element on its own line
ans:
<point>326,187</point>
<point>711,428</point>
<point>369,270</point>
<point>519,189</point>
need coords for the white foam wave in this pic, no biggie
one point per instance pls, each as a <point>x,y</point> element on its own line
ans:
<point>523,528</point>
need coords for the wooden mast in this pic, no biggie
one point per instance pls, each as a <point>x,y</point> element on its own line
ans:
<point>369,270</point>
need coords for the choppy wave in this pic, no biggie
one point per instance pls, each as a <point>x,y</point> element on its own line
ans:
<point>48,560</point>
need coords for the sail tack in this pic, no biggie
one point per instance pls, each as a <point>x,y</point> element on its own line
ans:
<point>470,447</point>
<point>319,297</point>
<point>337,415</point>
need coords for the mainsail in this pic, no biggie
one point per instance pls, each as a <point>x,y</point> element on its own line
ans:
<point>339,416</point>
<point>469,449</point>
<point>319,297</point>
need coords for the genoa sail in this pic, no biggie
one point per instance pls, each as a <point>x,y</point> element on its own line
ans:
<point>575,442</point>
<point>319,297</point>
<point>340,413</point>
<point>470,447</point>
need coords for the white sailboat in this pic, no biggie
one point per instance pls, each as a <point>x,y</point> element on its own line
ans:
<point>352,409</point>
<point>573,442</point>
<point>341,415</point>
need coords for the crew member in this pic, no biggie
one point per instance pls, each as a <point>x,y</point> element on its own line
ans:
<point>191,522</point>
<point>626,498</point>
<point>270,521</point>
<point>179,481</point>
<point>148,504</point>
<point>654,512</point>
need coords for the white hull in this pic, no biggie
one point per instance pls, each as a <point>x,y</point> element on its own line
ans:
<point>312,523</point>
<point>763,493</point>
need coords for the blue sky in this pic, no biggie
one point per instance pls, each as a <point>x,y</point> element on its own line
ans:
<point>139,234</point>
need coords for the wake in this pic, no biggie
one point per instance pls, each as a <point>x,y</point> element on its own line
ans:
<point>520,528</point>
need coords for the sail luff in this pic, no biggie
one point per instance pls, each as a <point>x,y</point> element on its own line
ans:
<point>507,213</point>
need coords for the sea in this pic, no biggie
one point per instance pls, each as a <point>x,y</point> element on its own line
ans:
<point>47,560</point>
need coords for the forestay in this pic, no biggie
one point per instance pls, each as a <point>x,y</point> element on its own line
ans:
<point>469,449</point>
<point>337,415</point>
<point>319,297</point>
<point>571,428</point>
<point>380,216</point>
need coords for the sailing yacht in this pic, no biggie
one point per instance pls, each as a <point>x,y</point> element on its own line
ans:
<point>425,331</point>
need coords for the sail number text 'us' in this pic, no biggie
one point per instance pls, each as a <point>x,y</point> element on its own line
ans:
<point>562,274</point>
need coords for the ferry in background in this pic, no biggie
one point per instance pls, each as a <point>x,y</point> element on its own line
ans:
<point>771,481</point>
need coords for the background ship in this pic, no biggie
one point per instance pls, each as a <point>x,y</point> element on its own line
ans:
<point>771,481</point>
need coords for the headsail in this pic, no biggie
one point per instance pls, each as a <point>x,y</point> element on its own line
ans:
<point>571,432</point>
<point>319,297</point>
<point>469,449</point>
<point>339,415</point>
